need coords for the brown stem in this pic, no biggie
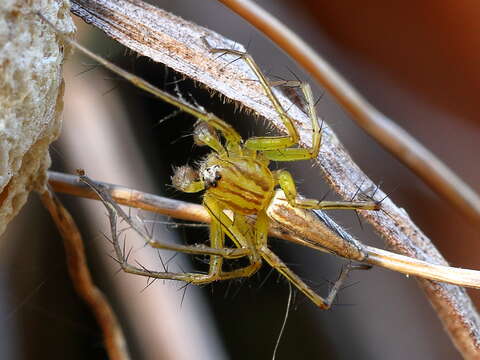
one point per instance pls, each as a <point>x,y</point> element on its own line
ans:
<point>115,343</point>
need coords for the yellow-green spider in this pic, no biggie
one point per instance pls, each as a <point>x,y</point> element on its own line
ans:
<point>238,185</point>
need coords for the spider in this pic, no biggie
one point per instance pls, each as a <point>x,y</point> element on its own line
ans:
<point>238,184</point>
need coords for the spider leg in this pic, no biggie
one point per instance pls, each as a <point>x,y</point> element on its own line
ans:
<point>294,154</point>
<point>217,238</point>
<point>189,277</point>
<point>231,136</point>
<point>241,234</point>
<point>217,250</point>
<point>278,147</point>
<point>114,210</point>
<point>286,182</point>
<point>324,303</point>
<point>261,233</point>
<point>215,272</point>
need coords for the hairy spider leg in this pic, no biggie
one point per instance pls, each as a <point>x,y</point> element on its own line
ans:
<point>287,184</point>
<point>239,231</point>
<point>278,148</point>
<point>323,303</point>
<point>217,250</point>
<point>215,272</point>
<point>275,262</point>
<point>241,235</point>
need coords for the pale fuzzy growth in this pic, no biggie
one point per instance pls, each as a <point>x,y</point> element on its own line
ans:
<point>31,92</point>
<point>183,177</point>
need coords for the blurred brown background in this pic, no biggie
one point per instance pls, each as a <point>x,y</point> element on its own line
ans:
<point>415,61</point>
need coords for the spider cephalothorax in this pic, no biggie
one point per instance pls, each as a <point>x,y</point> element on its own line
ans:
<point>240,183</point>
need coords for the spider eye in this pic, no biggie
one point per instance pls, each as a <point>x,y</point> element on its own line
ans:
<point>211,176</point>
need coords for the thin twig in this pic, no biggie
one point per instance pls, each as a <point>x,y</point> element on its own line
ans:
<point>70,184</point>
<point>115,343</point>
<point>392,137</point>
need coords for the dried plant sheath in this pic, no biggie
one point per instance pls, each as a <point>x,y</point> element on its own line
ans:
<point>176,43</point>
<point>316,230</point>
<point>307,229</point>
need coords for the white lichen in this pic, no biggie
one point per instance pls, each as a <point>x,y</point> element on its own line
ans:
<point>31,89</point>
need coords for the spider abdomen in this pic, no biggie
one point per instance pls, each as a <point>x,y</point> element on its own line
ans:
<point>242,184</point>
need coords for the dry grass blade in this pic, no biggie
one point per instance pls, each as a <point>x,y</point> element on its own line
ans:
<point>176,43</point>
<point>77,265</point>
